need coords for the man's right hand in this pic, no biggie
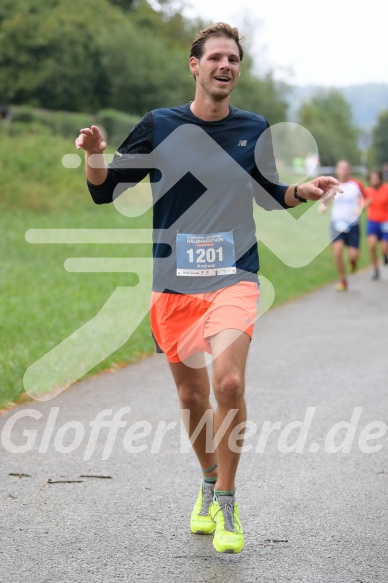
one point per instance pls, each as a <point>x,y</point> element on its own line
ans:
<point>91,140</point>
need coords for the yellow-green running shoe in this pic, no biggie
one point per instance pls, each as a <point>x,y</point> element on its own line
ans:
<point>229,534</point>
<point>201,521</point>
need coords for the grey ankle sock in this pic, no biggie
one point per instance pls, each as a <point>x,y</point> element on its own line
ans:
<point>227,505</point>
<point>225,492</point>
<point>211,480</point>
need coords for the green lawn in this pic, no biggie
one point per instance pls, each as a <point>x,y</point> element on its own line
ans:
<point>43,303</point>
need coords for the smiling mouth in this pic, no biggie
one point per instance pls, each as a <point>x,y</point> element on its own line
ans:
<point>222,79</point>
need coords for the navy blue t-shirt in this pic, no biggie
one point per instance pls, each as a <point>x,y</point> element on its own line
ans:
<point>204,177</point>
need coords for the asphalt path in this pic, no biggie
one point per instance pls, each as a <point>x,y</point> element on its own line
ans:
<point>313,495</point>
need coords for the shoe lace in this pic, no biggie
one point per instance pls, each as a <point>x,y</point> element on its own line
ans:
<point>207,499</point>
<point>231,523</point>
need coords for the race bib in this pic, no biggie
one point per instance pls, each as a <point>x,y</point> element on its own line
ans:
<point>342,226</point>
<point>205,255</point>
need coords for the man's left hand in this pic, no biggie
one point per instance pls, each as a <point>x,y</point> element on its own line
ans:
<point>323,188</point>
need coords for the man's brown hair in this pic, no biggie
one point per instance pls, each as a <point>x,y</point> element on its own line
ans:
<point>378,172</point>
<point>219,29</point>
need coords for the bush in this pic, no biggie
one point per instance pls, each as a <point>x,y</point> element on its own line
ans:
<point>19,128</point>
<point>24,113</point>
<point>61,123</point>
<point>67,124</point>
<point>116,124</point>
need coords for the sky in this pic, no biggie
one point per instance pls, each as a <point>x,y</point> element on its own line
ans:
<point>331,43</point>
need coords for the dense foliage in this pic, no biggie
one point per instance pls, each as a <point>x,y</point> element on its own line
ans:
<point>329,118</point>
<point>378,154</point>
<point>120,54</point>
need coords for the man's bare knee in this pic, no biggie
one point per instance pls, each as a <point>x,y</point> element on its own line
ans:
<point>192,397</point>
<point>229,389</point>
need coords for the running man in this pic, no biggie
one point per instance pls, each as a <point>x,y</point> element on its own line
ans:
<point>345,228</point>
<point>205,284</point>
<point>377,224</point>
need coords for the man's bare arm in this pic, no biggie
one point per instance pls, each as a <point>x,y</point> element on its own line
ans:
<point>92,141</point>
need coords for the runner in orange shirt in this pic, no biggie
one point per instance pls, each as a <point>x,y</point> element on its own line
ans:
<point>377,225</point>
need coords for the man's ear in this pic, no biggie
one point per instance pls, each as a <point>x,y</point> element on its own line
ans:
<point>194,65</point>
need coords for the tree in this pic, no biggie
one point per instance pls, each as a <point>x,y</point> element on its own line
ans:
<point>145,73</point>
<point>49,56</point>
<point>378,153</point>
<point>328,117</point>
<point>125,5</point>
<point>97,54</point>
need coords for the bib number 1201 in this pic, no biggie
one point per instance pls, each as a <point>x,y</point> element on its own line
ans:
<point>205,255</point>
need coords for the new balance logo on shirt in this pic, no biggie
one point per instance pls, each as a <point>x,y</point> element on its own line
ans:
<point>242,143</point>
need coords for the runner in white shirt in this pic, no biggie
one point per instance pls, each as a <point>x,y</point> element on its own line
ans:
<point>345,229</point>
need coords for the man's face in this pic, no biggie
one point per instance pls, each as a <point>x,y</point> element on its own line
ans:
<point>217,71</point>
<point>374,179</point>
<point>342,171</point>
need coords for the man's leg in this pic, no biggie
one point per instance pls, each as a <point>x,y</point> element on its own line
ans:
<point>230,351</point>
<point>338,247</point>
<point>193,391</point>
<point>352,241</point>
<point>372,245</point>
<point>354,254</point>
<point>384,249</point>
